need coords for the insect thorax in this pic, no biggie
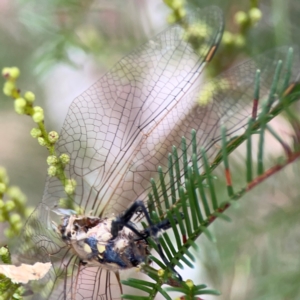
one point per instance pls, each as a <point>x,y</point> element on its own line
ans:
<point>91,239</point>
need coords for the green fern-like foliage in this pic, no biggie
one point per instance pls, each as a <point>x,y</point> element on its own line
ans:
<point>193,203</point>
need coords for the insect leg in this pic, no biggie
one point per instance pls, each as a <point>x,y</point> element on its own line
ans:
<point>124,219</point>
<point>163,225</point>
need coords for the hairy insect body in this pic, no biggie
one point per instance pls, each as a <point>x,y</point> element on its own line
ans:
<point>91,239</point>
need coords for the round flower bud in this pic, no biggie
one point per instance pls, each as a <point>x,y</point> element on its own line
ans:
<point>3,251</point>
<point>227,38</point>
<point>17,226</point>
<point>14,72</point>
<point>52,160</point>
<point>5,72</point>
<point>2,187</point>
<point>255,14</point>
<point>189,283</point>
<point>176,4</point>
<point>240,18</point>
<point>52,170</point>
<point>69,189</point>
<point>15,218</point>
<point>21,102</point>
<point>14,192</point>
<point>8,88</point>
<point>64,158</point>
<point>160,272</point>
<point>9,205</point>
<point>20,105</point>
<point>42,141</point>
<point>35,132</point>
<point>38,117</point>
<point>53,136</point>
<point>37,109</point>
<point>29,96</point>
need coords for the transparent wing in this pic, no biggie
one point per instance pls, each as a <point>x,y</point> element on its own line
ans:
<point>111,124</point>
<point>87,283</point>
<point>227,100</point>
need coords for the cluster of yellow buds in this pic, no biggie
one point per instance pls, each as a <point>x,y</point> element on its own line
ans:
<point>70,186</point>
<point>178,10</point>
<point>233,39</point>
<point>12,209</point>
<point>24,105</point>
<point>243,20</point>
<point>11,74</point>
<point>56,164</point>
<point>252,16</point>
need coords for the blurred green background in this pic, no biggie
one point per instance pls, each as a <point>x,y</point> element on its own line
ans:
<point>63,46</point>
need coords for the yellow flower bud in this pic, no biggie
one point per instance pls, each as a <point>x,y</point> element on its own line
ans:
<point>14,192</point>
<point>37,109</point>
<point>42,141</point>
<point>52,160</point>
<point>17,226</point>
<point>20,105</point>
<point>14,72</point>
<point>189,283</point>
<point>3,251</point>
<point>227,38</point>
<point>38,117</point>
<point>64,158</point>
<point>255,14</point>
<point>69,189</point>
<point>52,170</point>
<point>35,132</point>
<point>15,218</point>
<point>240,18</point>
<point>5,72</point>
<point>8,88</point>
<point>9,205</point>
<point>29,96</point>
<point>160,272</point>
<point>20,102</point>
<point>53,136</point>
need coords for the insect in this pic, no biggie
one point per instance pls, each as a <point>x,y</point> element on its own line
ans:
<point>112,243</point>
<point>117,133</point>
<point>113,134</point>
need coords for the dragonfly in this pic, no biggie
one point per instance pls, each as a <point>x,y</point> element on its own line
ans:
<point>117,133</point>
